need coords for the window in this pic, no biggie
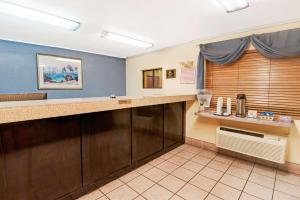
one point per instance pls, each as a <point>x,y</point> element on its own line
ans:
<point>269,84</point>
<point>152,78</point>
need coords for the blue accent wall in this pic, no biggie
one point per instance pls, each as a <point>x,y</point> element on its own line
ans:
<point>102,75</point>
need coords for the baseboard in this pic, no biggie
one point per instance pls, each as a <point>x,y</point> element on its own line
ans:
<point>288,166</point>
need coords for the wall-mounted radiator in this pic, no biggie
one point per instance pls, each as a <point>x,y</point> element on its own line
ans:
<point>259,145</point>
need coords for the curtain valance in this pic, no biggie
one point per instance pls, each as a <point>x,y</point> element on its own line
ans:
<point>272,45</point>
<point>281,44</point>
<point>222,53</point>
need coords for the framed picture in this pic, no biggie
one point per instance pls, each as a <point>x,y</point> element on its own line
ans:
<point>170,73</point>
<point>60,73</point>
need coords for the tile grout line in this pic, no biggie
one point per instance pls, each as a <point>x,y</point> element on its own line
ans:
<point>243,190</point>
<point>274,184</point>
<point>198,174</point>
<point>292,195</point>
<point>157,182</point>
<point>124,183</point>
<point>220,179</point>
<point>170,173</point>
<point>211,160</point>
<point>178,166</point>
<point>186,182</point>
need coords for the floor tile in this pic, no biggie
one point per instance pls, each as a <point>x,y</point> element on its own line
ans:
<point>175,151</point>
<point>246,165</point>
<point>183,174</point>
<point>233,181</point>
<point>287,188</point>
<point>157,192</point>
<point>211,173</point>
<point>225,192</point>
<point>140,198</point>
<point>172,183</point>
<point>190,192</point>
<point>186,154</point>
<point>184,146</point>
<point>177,160</point>
<point>263,170</point>
<point>193,149</point>
<point>103,198</point>
<point>175,197</point>
<point>111,186</point>
<point>212,197</point>
<point>92,196</point>
<point>207,154</point>
<point>128,177</point>
<point>203,182</point>
<point>288,177</point>
<point>201,160</point>
<point>195,167</point>
<point>156,161</point>
<point>258,191</point>
<point>238,172</point>
<point>262,180</point>
<point>167,166</point>
<point>166,156</point>
<point>140,184</point>
<point>155,174</point>
<point>246,196</point>
<point>144,168</point>
<point>282,196</point>
<point>122,193</point>
<point>224,159</point>
<point>218,165</point>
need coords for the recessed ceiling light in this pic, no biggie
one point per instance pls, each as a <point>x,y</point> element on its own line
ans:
<point>28,13</point>
<point>234,5</point>
<point>126,40</point>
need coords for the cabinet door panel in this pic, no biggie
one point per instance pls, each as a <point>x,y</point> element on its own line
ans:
<point>40,159</point>
<point>147,131</point>
<point>173,124</point>
<point>106,144</point>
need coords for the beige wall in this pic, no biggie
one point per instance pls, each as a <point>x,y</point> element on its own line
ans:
<point>199,128</point>
<point>167,59</point>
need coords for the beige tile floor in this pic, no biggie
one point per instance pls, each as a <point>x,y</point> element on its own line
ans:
<point>192,173</point>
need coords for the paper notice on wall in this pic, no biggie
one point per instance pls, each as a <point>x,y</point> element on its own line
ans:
<point>188,75</point>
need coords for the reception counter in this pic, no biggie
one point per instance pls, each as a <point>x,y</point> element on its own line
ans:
<point>39,109</point>
<point>62,149</point>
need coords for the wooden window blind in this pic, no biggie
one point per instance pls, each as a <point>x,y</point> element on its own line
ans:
<point>269,84</point>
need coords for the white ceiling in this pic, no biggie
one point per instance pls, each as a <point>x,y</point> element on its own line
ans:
<point>163,22</point>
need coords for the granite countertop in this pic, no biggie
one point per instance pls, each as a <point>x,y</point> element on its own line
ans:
<point>16,111</point>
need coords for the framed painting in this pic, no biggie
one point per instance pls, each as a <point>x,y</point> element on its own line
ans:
<point>59,73</point>
<point>170,73</point>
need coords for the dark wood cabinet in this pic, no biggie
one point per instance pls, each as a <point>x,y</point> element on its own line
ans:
<point>173,124</point>
<point>40,160</point>
<point>65,157</point>
<point>106,144</point>
<point>147,131</point>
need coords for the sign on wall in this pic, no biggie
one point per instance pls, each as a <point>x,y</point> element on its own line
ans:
<point>188,73</point>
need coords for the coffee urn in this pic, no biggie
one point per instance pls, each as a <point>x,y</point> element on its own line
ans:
<point>241,105</point>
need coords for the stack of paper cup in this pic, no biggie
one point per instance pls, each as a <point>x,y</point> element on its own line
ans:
<point>228,106</point>
<point>220,106</point>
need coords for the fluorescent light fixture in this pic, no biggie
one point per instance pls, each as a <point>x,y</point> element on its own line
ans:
<point>28,13</point>
<point>68,60</point>
<point>126,40</point>
<point>234,5</point>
